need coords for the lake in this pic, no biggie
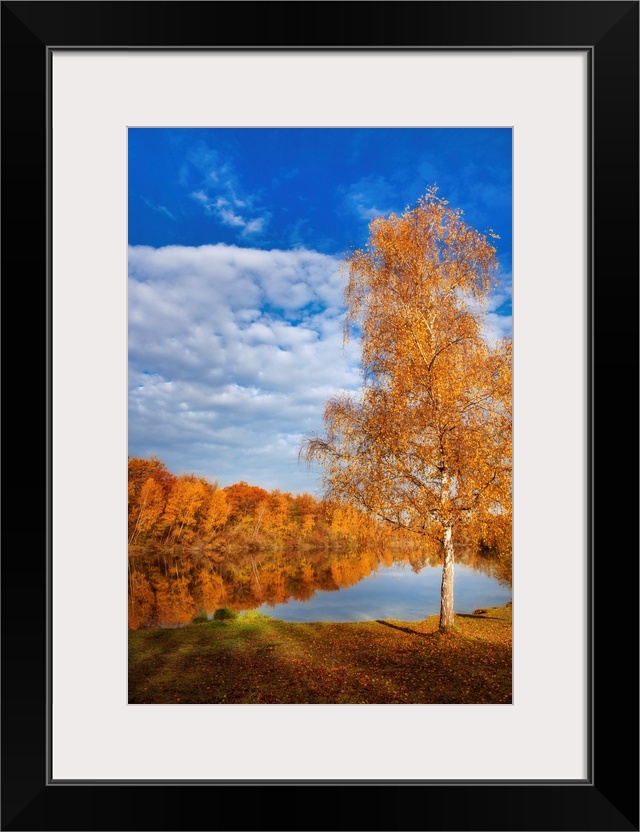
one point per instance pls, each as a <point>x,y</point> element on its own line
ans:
<point>396,591</point>
<point>168,587</point>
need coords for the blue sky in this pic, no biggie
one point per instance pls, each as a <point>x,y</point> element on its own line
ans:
<point>235,293</point>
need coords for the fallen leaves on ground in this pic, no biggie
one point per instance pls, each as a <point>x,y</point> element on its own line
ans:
<point>259,660</point>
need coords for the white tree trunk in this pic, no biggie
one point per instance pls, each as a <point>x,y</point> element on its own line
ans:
<point>446,590</point>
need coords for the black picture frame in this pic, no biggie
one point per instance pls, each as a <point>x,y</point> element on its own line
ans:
<point>608,798</point>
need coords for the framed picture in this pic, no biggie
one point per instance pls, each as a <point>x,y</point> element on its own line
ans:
<point>564,78</point>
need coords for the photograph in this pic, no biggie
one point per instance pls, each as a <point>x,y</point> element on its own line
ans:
<point>338,306</point>
<point>320,415</point>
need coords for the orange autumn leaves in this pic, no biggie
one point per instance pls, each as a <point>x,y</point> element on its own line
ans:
<point>265,661</point>
<point>426,445</point>
<point>264,555</point>
<point>190,511</point>
<point>424,448</point>
<point>178,507</point>
<point>194,547</point>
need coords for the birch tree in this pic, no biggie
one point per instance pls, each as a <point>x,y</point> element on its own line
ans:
<point>426,443</point>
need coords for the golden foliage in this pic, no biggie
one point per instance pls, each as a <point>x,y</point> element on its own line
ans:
<point>174,604</point>
<point>209,591</point>
<point>426,446</point>
<point>141,600</point>
<point>196,547</point>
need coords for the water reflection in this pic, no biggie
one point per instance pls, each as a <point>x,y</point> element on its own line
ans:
<point>396,592</point>
<point>168,587</point>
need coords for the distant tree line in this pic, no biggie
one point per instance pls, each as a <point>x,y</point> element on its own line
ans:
<point>195,547</point>
<point>187,510</point>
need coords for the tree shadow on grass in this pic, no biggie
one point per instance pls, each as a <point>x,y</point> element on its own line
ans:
<point>403,629</point>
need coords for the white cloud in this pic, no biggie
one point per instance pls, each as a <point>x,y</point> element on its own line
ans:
<point>497,326</point>
<point>497,323</point>
<point>221,194</point>
<point>161,209</point>
<point>227,215</point>
<point>233,353</point>
<point>369,197</point>
<point>256,225</point>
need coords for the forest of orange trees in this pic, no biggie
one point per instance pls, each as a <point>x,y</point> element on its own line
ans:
<point>195,547</point>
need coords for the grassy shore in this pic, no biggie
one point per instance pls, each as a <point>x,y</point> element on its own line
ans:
<point>255,659</point>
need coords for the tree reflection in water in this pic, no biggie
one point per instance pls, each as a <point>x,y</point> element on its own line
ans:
<point>169,586</point>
